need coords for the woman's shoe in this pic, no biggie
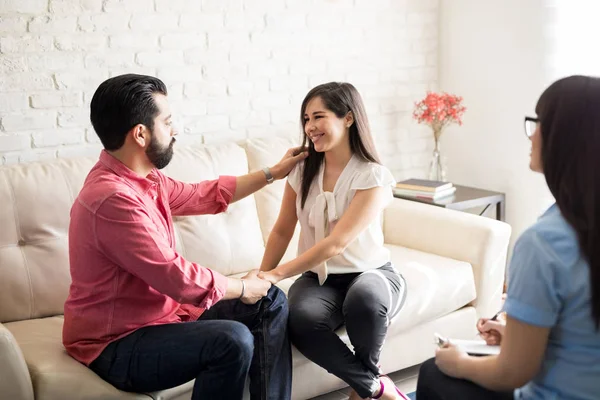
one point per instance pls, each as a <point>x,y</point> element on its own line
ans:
<point>401,396</point>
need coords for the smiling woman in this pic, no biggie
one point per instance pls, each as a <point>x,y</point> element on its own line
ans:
<point>338,194</point>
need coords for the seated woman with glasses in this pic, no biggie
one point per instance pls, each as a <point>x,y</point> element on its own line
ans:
<point>550,343</point>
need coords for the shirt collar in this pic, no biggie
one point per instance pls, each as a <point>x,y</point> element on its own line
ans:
<point>553,209</point>
<point>342,176</point>
<point>139,183</point>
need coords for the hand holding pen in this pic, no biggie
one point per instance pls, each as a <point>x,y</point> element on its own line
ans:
<point>491,330</point>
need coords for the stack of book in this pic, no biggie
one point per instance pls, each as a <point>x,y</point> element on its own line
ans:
<point>432,190</point>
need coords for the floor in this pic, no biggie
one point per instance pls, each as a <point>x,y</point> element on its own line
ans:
<point>406,380</point>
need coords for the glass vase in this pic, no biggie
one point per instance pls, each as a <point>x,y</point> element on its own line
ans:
<point>437,167</point>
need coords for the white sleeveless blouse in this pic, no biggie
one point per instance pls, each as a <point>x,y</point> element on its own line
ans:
<point>322,211</point>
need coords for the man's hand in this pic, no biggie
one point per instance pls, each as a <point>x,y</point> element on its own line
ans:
<point>247,184</point>
<point>255,288</point>
<point>289,160</point>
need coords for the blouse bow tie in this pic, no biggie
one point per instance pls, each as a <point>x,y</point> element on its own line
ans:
<point>324,207</point>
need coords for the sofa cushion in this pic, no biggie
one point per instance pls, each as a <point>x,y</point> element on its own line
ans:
<point>57,376</point>
<point>265,152</point>
<point>436,286</point>
<point>34,218</point>
<point>54,374</point>
<point>229,242</point>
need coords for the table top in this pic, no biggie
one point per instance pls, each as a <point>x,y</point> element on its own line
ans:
<point>464,197</point>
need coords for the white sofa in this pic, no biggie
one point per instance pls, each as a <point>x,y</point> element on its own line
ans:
<point>453,262</point>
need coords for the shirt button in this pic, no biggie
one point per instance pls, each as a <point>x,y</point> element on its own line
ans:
<point>154,197</point>
<point>21,242</point>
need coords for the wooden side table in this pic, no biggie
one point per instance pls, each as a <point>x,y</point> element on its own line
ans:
<point>466,198</point>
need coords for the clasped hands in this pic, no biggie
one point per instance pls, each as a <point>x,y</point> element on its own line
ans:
<point>257,284</point>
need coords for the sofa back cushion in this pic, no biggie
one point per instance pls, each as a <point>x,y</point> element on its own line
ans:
<point>264,152</point>
<point>230,242</point>
<point>35,203</point>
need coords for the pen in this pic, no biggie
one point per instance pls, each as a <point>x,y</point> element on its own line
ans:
<point>495,317</point>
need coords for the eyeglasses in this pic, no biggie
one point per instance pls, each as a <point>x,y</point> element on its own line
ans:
<point>530,125</point>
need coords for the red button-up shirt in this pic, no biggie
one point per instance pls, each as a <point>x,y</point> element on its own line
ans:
<point>125,271</point>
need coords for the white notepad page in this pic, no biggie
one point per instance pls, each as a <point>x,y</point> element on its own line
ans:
<point>478,347</point>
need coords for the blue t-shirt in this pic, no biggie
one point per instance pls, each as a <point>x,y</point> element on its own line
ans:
<point>549,286</point>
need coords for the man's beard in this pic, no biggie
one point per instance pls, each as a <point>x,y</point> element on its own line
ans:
<point>159,156</point>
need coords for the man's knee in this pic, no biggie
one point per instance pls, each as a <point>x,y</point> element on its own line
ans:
<point>277,298</point>
<point>275,303</point>
<point>240,341</point>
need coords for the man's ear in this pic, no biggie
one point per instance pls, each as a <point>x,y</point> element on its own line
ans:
<point>349,119</point>
<point>140,135</point>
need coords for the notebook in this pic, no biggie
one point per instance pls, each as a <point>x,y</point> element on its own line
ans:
<point>476,347</point>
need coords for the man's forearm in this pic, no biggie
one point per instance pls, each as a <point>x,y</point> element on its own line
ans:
<point>248,184</point>
<point>234,289</point>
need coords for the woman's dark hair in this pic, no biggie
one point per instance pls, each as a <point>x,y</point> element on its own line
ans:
<point>569,114</point>
<point>122,102</point>
<point>339,98</point>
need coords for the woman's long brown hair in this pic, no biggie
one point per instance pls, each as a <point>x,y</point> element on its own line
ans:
<point>569,113</point>
<point>340,98</point>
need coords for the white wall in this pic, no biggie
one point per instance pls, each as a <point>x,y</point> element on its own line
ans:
<point>496,55</point>
<point>573,32</point>
<point>235,69</point>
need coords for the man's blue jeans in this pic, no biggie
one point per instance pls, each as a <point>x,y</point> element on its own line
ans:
<point>227,343</point>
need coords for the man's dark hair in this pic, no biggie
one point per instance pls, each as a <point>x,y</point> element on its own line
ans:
<point>122,102</point>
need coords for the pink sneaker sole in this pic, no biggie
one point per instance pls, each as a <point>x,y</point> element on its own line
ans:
<point>402,395</point>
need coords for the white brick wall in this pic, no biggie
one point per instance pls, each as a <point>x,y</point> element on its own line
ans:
<point>234,68</point>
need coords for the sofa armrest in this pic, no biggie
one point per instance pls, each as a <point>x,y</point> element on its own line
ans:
<point>15,382</point>
<point>482,242</point>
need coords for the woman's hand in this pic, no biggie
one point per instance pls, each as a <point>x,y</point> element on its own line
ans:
<point>449,358</point>
<point>491,331</point>
<point>270,276</point>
